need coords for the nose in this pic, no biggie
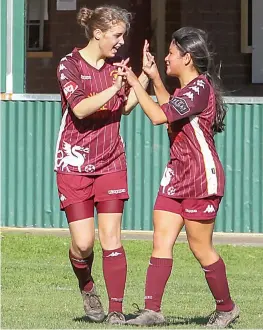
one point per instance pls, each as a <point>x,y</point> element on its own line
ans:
<point>166,58</point>
<point>121,41</point>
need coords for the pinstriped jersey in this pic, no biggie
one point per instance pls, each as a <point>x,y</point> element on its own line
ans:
<point>91,145</point>
<point>194,169</point>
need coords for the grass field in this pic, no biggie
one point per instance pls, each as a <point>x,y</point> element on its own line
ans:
<point>39,290</point>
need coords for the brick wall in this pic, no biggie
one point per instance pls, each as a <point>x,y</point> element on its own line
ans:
<point>222,20</point>
<point>62,34</point>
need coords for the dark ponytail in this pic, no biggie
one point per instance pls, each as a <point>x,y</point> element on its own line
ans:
<point>195,42</point>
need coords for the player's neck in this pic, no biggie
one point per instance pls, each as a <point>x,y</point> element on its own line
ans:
<point>187,77</point>
<point>92,55</point>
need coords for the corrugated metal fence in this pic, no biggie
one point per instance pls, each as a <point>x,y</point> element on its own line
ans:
<point>28,191</point>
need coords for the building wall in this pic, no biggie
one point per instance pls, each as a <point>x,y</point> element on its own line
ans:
<point>222,19</point>
<point>62,34</point>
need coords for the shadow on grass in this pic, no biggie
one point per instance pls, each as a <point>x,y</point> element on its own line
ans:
<point>176,320</point>
<point>170,320</point>
<point>84,318</point>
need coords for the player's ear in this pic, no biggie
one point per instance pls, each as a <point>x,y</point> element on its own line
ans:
<point>187,59</point>
<point>97,34</point>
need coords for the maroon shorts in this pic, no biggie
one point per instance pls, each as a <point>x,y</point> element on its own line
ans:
<point>77,189</point>
<point>190,208</point>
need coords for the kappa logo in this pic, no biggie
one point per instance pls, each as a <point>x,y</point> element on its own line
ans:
<point>117,191</point>
<point>200,83</point>
<point>195,89</point>
<point>180,105</point>
<point>62,67</point>
<point>190,211</point>
<point>190,95</point>
<point>114,254</point>
<point>69,89</point>
<point>206,270</point>
<point>209,209</point>
<point>85,77</point>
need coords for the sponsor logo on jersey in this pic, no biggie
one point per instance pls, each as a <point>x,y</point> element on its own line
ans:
<point>180,105</point>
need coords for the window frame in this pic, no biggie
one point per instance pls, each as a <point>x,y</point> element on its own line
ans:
<point>245,21</point>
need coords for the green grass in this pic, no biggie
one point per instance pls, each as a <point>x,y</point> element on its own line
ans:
<point>40,291</point>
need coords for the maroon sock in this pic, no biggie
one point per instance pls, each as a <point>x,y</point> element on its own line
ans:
<point>158,272</point>
<point>82,269</point>
<point>115,270</point>
<point>215,275</point>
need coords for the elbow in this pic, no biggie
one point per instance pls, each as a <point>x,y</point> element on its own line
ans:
<point>79,116</point>
<point>155,122</point>
<point>78,113</point>
<point>158,121</point>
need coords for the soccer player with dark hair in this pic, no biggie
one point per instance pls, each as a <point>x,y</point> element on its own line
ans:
<point>90,159</point>
<point>193,182</point>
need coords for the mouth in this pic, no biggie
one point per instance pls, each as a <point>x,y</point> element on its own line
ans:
<point>115,49</point>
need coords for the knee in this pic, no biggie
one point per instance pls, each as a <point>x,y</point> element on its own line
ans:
<point>110,238</point>
<point>162,241</point>
<point>82,247</point>
<point>203,253</point>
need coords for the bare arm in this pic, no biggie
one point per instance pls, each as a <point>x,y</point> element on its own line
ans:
<point>160,91</point>
<point>91,104</point>
<point>132,98</point>
<point>150,108</point>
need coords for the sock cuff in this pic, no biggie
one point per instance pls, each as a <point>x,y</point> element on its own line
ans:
<point>80,261</point>
<point>214,266</point>
<point>119,252</point>
<point>161,262</point>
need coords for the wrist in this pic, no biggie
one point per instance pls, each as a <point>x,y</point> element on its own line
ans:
<point>115,88</point>
<point>156,78</point>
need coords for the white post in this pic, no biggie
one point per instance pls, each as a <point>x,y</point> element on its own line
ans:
<point>9,47</point>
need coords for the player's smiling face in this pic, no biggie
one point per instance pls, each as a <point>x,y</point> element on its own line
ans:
<point>175,62</point>
<point>111,40</point>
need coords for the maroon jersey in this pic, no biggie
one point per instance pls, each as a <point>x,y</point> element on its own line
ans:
<point>91,145</point>
<point>194,169</point>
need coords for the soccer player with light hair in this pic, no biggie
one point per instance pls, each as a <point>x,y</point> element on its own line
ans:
<point>193,182</point>
<point>90,158</point>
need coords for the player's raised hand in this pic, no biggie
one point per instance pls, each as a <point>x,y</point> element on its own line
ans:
<point>144,53</point>
<point>148,65</point>
<point>121,79</point>
<point>127,74</point>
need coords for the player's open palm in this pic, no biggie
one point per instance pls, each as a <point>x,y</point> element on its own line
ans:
<point>148,64</point>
